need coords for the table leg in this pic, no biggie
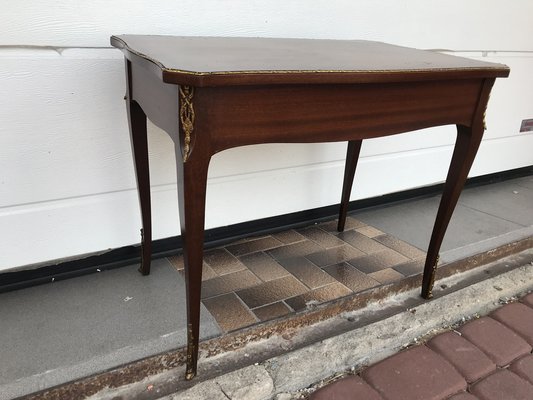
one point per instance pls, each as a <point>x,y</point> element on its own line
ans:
<point>466,146</point>
<point>192,181</point>
<point>139,145</point>
<point>352,156</point>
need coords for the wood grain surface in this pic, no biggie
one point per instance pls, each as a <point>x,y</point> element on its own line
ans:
<point>217,61</point>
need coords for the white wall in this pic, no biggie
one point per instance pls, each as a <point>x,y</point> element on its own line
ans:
<point>66,176</point>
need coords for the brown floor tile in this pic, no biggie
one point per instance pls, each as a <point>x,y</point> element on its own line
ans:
<point>324,239</point>
<point>229,283</point>
<point>252,246</point>
<point>294,250</point>
<point>518,317</point>
<point>362,242</point>
<point>176,261</point>
<point>207,271</point>
<point>369,231</point>
<point>264,266</point>
<point>335,255</point>
<point>350,388</point>
<point>400,246</point>
<point>272,311</point>
<point>222,262</point>
<point>463,396</point>
<point>288,237</point>
<point>350,277</point>
<point>229,312</point>
<point>471,362</point>
<point>325,293</point>
<point>497,341</point>
<point>377,261</point>
<point>351,223</point>
<point>330,226</point>
<point>306,272</point>
<point>272,291</point>
<point>523,367</point>
<point>411,267</point>
<point>503,385</point>
<point>415,374</point>
<point>387,275</point>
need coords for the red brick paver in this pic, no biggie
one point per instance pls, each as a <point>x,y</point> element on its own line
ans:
<point>503,385</point>
<point>471,362</point>
<point>463,396</point>
<point>415,374</point>
<point>441,369</point>
<point>351,388</point>
<point>524,368</point>
<point>497,341</point>
<point>518,317</point>
<point>528,300</point>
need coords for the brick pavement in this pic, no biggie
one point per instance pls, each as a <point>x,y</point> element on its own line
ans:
<point>489,358</point>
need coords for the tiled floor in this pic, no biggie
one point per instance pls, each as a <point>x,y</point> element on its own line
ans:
<point>259,279</point>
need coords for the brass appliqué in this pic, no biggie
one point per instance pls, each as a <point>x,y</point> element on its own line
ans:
<point>186,118</point>
<point>485,114</point>
<point>191,354</point>
<point>142,250</point>
<point>433,273</point>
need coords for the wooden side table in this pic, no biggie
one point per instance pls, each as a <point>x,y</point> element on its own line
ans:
<point>212,94</point>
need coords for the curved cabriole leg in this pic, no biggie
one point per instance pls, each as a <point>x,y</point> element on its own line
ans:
<point>192,180</point>
<point>352,156</point>
<point>466,146</point>
<point>139,145</point>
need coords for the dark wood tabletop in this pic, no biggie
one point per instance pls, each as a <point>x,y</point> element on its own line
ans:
<point>218,61</point>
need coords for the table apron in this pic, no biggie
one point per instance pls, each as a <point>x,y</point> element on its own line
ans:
<point>237,116</point>
<point>158,100</point>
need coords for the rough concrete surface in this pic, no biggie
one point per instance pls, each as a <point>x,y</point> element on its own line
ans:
<point>207,390</point>
<point>252,382</point>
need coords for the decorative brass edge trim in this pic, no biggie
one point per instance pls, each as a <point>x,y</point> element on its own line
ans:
<point>304,71</point>
<point>141,268</point>
<point>324,71</point>
<point>485,113</point>
<point>186,118</point>
<point>191,355</point>
<point>432,281</point>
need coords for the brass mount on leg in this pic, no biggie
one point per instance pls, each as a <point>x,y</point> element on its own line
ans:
<point>485,114</point>
<point>186,118</point>
<point>190,371</point>
<point>432,281</point>
<point>141,268</point>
